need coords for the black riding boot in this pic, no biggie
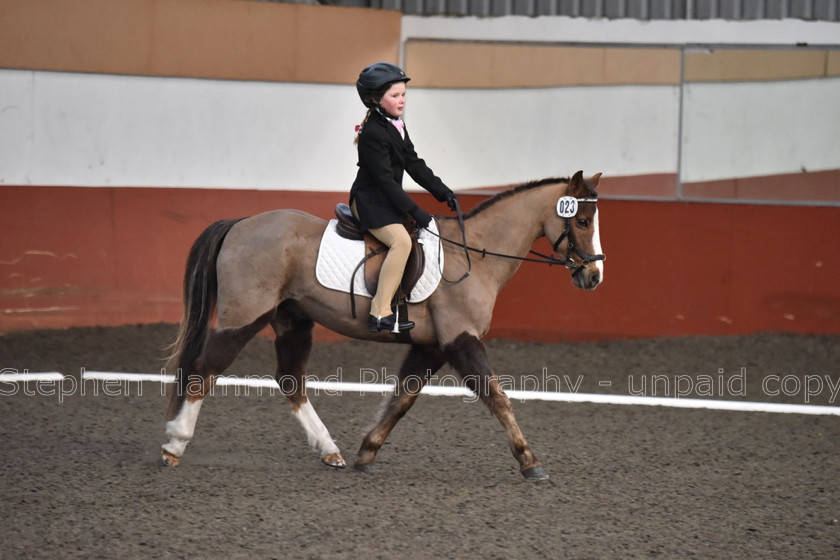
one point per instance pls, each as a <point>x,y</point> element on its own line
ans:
<point>387,323</point>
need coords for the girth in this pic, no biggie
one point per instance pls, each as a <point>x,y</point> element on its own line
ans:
<point>349,228</point>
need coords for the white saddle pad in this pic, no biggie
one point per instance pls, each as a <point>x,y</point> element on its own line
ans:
<point>338,257</point>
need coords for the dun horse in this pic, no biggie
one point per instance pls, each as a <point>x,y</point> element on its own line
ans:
<point>260,271</point>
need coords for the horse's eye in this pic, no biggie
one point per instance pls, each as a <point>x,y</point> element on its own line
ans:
<point>582,222</point>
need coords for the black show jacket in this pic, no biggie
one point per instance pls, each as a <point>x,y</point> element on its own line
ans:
<point>383,157</point>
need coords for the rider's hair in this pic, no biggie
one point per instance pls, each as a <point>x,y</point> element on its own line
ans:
<point>375,97</point>
<point>361,126</point>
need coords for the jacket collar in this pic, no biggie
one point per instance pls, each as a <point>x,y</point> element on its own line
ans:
<point>386,122</point>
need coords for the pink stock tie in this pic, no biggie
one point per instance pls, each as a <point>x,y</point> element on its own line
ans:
<point>399,124</point>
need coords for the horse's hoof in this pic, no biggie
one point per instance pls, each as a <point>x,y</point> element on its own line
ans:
<point>366,468</point>
<point>334,460</point>
<point>535,474</point>
<point>169,460</point>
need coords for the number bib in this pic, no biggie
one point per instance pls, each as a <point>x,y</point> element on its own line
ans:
<point>567,207</point>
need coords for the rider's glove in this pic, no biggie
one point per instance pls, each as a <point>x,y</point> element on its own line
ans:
<point>420,216</point>
<point>452,200</point>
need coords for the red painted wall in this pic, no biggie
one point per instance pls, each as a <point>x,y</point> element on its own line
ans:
<point>111,256</point>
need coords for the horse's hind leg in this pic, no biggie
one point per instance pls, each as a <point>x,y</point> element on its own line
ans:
<point>418,366</point>
<point>293,345</point>
<point>469,357</point>
<point>221,348</point>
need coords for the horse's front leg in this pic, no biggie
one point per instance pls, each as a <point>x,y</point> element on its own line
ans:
<point>468,356</point>
<point>420,364</point>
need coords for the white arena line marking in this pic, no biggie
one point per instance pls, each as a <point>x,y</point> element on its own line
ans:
<point>348,386</point>
<point>24,377</point>
<point>449,391</point>
<point>741,406</point>
<point>121,376</point>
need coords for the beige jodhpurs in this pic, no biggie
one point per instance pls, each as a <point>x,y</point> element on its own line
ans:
<point>396,238</point>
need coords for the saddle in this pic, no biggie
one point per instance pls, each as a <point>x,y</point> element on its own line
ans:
<point>348,227</point>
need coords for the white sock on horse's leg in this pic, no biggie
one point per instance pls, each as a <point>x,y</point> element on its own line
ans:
<point>181,428</point>
<point>316,433</point>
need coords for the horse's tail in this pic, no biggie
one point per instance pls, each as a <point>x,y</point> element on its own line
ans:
<point>200,285</point>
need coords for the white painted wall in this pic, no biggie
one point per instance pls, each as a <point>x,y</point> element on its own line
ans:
<point>474,138</point>
<point>764,128</point>
<point>97,130</point>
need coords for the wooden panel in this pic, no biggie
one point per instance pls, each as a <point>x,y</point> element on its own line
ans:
<point>82,36</point>
<point>749,65</point>
<point>833,63</point>
<point>228,41</point>
<point>481,65</point>
<point>221,39</point>
<point>334,45</point>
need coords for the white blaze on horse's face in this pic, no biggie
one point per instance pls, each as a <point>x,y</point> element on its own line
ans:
<point>587,238</point>
<point>582,238</point>
<point>596,245</point>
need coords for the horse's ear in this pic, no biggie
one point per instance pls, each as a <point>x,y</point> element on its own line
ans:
<point>594,181</point>
<point>576,185</point>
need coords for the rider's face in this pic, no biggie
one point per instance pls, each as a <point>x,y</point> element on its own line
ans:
<point>393,102</point>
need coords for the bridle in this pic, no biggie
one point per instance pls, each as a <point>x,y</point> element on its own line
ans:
<point>585,258</point>
<point>571,250</point>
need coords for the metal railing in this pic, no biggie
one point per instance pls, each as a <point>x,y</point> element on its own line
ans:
<point>822,10</point>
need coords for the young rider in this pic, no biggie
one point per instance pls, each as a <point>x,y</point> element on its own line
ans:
<point>377,197</point>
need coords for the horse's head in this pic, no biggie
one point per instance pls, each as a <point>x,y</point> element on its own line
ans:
<point>573,231</point>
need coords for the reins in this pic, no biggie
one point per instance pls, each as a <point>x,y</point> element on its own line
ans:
<point>567,262</point>
<point>462,244</point>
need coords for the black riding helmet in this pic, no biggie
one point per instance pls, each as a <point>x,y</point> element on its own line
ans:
<point>374,77</point>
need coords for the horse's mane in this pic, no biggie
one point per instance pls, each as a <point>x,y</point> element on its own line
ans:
<point>484,205</point>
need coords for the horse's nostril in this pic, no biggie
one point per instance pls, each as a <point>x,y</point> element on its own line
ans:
<point>595,280</point>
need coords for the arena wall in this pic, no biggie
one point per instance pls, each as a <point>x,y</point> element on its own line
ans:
<point>111,256</point>
<point>126,128</point>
